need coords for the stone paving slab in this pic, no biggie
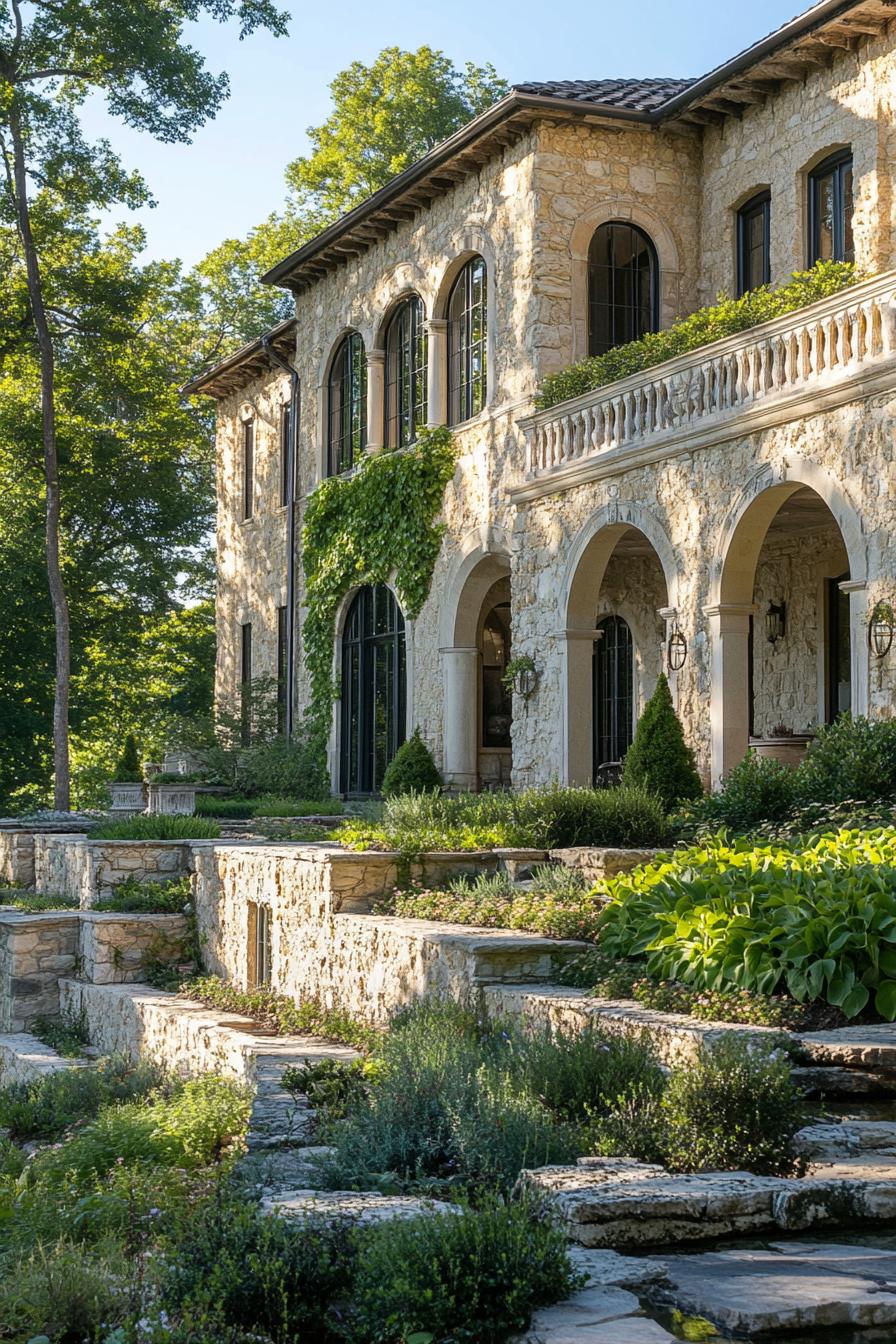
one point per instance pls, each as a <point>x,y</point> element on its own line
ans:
<point>752,1291</point>
<point>868,1047</point>
<point>847,1139</point>
<point>620,1206</point>
<point>364,1207</point>
<point>612,1269</point>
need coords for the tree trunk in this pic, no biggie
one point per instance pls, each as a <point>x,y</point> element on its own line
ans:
<point>61,774</point>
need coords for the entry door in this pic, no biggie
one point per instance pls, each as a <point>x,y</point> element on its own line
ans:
<point>373,690</point>
<point>839,678</point>
<point>614,697</point>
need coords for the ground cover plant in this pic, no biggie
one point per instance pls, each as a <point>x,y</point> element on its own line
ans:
<point>559,903</point>
<point>67,1036</point>
<point>32,902</point>
<point>725,317</point>
<point>814,919</point>
<point>269,805</point>
<point>279,1012</point>
<point>455,1105</point>
<point>628,816</point>
<point>147,898</point>
<point>158,826</point>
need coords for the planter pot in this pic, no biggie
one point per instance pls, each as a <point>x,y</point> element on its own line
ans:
<point>128,799</point>
<point>788,750</point>
<point>173,800</point>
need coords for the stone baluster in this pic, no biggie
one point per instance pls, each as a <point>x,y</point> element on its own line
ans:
<point>888,323</point>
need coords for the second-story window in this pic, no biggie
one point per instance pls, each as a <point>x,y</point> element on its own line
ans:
<point>753,243</point>
<point>406,408</point>
<point>623,286</point>
<point>467,343</point>
<point>285,450</point>
<point>347,403</point>
<point>830,210</point>
<point>248,468</point>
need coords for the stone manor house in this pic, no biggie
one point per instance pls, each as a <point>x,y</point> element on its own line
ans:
<point>728,517</point>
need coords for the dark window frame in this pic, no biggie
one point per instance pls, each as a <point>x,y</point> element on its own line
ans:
<point>758,206</point>
<point>282,634</point>
<point>838,638</point>
<point>245,682</point>
<point>248,469</point>
<point>346,405</point>
<point>373,689</point>
<point>468,342</point>
<point>835,167</point>
<point>406,391</point>
<point>613,703</point>
<point>621,323</point>
<point>285,450</point>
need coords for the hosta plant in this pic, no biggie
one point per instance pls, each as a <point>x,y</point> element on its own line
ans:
<point>818,922</point>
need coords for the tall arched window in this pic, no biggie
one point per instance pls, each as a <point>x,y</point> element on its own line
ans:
<point>614,697</point>
<point>406,408</point>
<point>623,288</point>
<point>347,405</point>
<point>467,341</point>
<point>373,689</point>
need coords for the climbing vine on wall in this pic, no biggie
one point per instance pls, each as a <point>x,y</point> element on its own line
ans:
<point>364,528</point>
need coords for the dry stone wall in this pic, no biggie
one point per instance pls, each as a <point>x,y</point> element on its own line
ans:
<point>35,950</point>
<point>83,870</point>
<point>116,949</point>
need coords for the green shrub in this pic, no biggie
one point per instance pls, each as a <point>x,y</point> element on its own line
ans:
<point>332,1086</point>
<point>48,1106</point>
<point>723,318</point>
<point>734,1108</point>
<point>226,809</point>
<point>158,826</point>
<point>818,920</point>
<point>475,1276</point>
<point>550,818</point>
<point>851,759</point>
<point>272,1278</point>
<point>659,760</point>
<point>67,1036</point>
<point>269,805</point>
<point>412,769</point>
<point>578,1075</point>
<point>128,769</point>
<point>756,791</point>
<point>148,898</point>
<point>62,1292</point>
<point>283,769</point>
<point>280,1012</point>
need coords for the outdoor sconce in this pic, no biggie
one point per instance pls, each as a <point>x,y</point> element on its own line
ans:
<point>676,650</point>
<point>521,676</point>
<point>776,622</point>
<point>881,629</point>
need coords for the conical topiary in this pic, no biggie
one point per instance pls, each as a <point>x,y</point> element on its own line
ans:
<point>412,769</point>
<point>659,759</point>
<point>128,769</point>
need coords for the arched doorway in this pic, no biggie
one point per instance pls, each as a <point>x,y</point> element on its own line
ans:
<point>494,749</point>
<point>613,664</point>
<point>374,689</point>
<point>620,580</point>
<point>786,620</point>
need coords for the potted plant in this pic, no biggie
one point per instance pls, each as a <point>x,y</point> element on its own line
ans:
<point>127,788</point>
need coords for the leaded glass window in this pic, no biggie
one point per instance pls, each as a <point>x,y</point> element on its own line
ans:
<point>614,696</point>
<point>753,243</point>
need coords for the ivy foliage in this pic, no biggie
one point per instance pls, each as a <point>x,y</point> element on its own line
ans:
<point>363,528</point>
<point>725,317</point>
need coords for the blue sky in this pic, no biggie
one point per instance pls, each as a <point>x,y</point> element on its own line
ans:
<point>230,176</point>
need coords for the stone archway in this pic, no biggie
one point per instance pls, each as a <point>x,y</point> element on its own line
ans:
<point>731,608</point>
<point>478,576</point>
<point>625,535</point>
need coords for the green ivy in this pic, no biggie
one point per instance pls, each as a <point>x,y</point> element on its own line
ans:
<point>361,529</point>
<point>725,317</point>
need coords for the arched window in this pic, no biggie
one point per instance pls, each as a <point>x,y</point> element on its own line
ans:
<point>830,210</point>
<point>406,408</point>
<point>623,288</point>
<point>373,689</point>
<point>497,702</point>
<point>467,340</point>
<point>614,697</point>
<point>347,405</point>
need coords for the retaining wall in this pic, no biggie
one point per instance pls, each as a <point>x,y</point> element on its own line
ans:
<point>35,950</point>
<point>25,1059</point>
<point>115,949</point>
<point>85,870</point>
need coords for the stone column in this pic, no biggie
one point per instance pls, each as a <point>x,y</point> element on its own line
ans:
<point>578,710</point>
<point>437,370</point>
<point>729,629</point>
<point>376,400</point>
<point>460,674</point>
<point>859,653</point>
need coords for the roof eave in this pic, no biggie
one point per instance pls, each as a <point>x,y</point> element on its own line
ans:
<point>203,383</point>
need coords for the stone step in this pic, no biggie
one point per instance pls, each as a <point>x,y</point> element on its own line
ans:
<point>840,1081</point>
<point>785,1287</point>
<point>865,1047</point>
<point>25,1059</point>
<point>618,1203</point>
<point>824,1142</point>
<point>362,1207</point>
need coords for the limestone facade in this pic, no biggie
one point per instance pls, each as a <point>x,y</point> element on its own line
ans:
<point>777,504</point>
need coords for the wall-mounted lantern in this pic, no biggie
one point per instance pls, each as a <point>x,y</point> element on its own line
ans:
<point>776,621</point>
<point>521,676</point>
<point>676,650</point>
<point>881,629</point>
